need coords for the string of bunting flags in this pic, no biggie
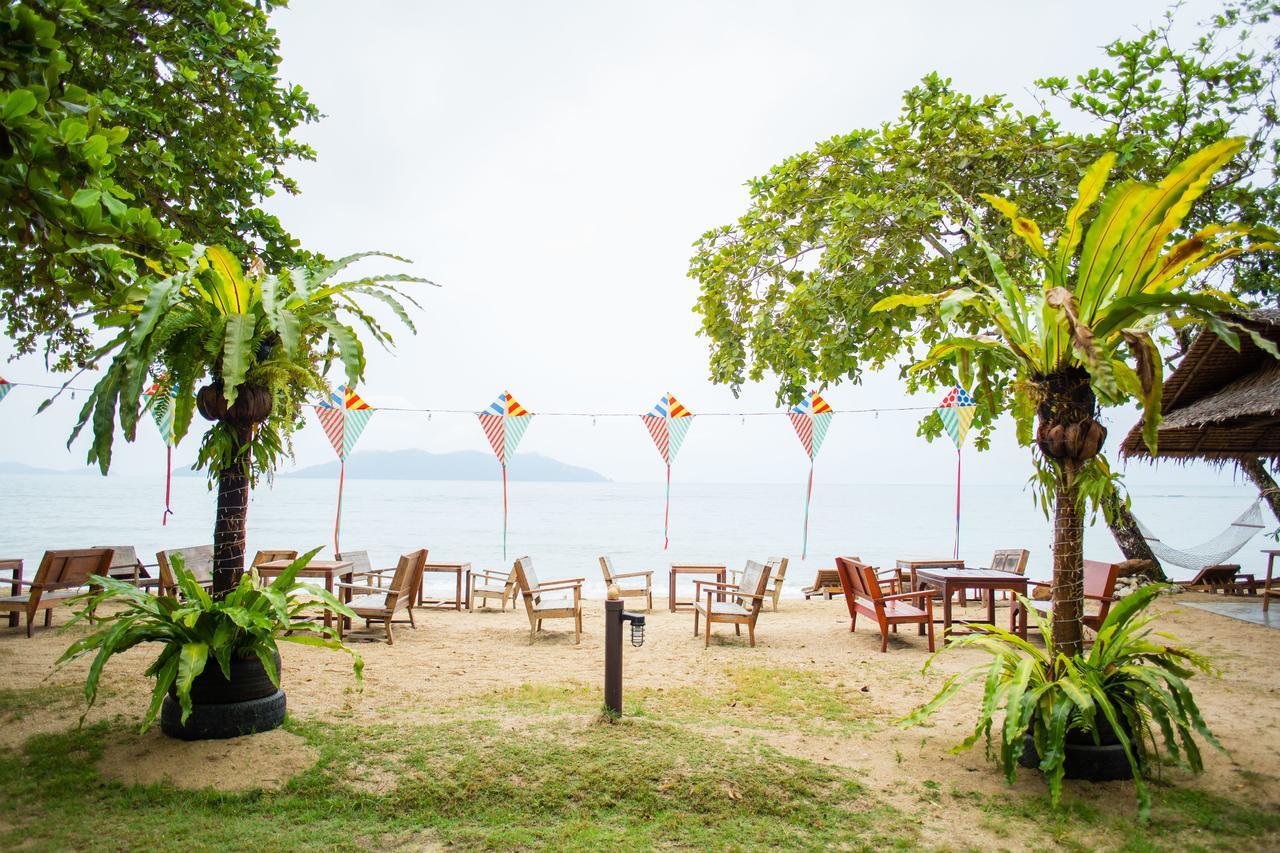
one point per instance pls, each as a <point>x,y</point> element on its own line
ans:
<point>343,416</point>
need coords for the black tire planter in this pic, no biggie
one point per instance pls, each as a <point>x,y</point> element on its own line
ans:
<point>246,704</point>
<point>1085,759</point>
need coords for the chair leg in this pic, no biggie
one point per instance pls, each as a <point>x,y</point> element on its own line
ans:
<point>884,640</point>
<point>930,635</point>
<point>30,619</point>
<point>707,644</point>
<point>751,633</point>
<point>853,620</point>
<point>695,621</point>
<point>386,623</point>
<point>412,624</point>
<point>737,628</point>
<point>533,632</point>
<point>577,630</point>
<point>48,617</point>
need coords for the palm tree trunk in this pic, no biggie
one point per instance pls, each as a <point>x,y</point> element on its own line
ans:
<point>1124,529</point>
<point>1068,561</point>
<point>229,524</point>
<point>1256,470</point>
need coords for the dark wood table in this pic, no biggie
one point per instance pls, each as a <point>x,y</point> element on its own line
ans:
<point>949,581</point>
<point>1271,553</point>
<point>327,569</point>
<point>673,604</point>
<point>461,595</point>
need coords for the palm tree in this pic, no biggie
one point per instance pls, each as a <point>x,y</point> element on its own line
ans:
<point>1083,336</point>
<point>261,344</point>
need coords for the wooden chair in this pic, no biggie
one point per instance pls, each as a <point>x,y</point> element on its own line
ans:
<point>1225,578</point>
<point>270,556</point>
<point>539,605</point>
<point>740,604</point>
<point>488,584</point>
<point>197,560</point>
<point>826,583</point>
<point>1011,560</point>
<point>61,577</point>
<point>125,566</point>
<point>1099,586</point>
<point>374,602</point>
<point>864,594</point>
<point>777,574</point>
<point>611,578</point>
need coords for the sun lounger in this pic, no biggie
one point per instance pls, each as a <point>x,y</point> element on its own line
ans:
<point>1225,578</point>
<point>826,583</point>
<point>560,599</point>
<point>611,578</point>
<point>864,593</point>
<point>61,577</point>
<point>736,604</point>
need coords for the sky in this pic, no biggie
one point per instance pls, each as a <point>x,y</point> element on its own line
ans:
<point>550,165</point>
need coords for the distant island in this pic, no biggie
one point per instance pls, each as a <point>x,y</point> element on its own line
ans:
<point>460,465</point>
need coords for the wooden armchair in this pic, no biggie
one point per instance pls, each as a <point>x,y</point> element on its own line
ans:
<point>561,599</point>
<point>488,584</point>
<point>268,556</point>
<point>374,602</point>
<point>740,604</point>
<point>1099,586</point>
<point>61,577</point>
<point>125,566</point>
<point>864,593</point>
<point>777,574</point>
<point>197,560</point>
<point>1011,560</point>
<point>611,578</point>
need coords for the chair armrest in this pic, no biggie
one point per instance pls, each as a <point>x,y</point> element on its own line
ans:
<point>493,576</point>
<point>551,587</point>
<point>716,584</point>
<point>631,574</point>
<point>1101,597</point>
<point>904,596</point>
<point>736,594</point>
<point>565,582</point>
<point>367,588</point>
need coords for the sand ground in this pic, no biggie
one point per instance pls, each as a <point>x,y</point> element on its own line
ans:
<point>455,657</point>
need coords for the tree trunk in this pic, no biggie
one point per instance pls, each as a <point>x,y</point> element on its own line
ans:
<point>1256,470</point>
<point>1124,528</point>
<point>229,525</point>
<point>1068,562</point>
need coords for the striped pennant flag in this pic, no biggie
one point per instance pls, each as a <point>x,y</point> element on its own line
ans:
<point>811,420</point>
<point>956,412</point>
<point>504,423</point>
<point>343,415</point>
<point>5,387</point>
<point>668,424</point>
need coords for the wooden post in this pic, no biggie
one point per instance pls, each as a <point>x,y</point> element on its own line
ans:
<point>613,652</point>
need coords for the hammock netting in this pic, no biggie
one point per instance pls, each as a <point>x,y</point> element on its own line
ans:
<point>1217,550</point>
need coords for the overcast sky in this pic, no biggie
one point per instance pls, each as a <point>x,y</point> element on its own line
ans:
<point>550,165</point>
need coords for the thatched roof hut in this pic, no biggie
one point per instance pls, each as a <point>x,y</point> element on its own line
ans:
<point>1220,404</point>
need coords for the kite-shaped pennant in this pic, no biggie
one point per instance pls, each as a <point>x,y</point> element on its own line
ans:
<point>163,396</point>
<point>344,416</point>
<point>956,411</point>
<point>812,419</point>
<point>668,423</point>
<point>5,387</point>
<point>504,424</point>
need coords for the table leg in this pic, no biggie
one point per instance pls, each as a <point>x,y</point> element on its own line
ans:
<point>1266,590</point>
<point>946,610</point>
<point>457,595</point>
<point>671,591</point>
<point>328,585</point>
<point>991,606</point>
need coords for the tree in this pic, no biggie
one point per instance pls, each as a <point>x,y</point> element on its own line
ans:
<point>136,124</point>
<point>262,341</point>
<point>787,288</point>
<point>1067,341</point>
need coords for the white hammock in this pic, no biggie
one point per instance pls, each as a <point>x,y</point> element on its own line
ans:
<point>1217,549</point>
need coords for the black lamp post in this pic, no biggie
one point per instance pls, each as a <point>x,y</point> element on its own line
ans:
<point>614,616</point>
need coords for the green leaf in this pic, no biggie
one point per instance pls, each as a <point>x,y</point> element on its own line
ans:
<point>18,103</point>
<point>236,353</point>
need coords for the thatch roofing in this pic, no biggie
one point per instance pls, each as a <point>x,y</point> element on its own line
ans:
<point>1219,403</point>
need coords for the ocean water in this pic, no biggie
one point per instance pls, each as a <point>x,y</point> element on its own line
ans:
<point>566,526</point>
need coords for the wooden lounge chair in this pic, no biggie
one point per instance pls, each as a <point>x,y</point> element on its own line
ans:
<point>61,577</point>
<point>561,599</point>
<point>1225,578</point>
<point>270,556</point>
<point>489,584</point>
<point>611,578</point>
<point>1099,586</point>
<point>125,566</point>
<point>740,605</point>
<point>826,583</point>
<point>864,593</point>
<point>374,602</point>
<point>197,560</point>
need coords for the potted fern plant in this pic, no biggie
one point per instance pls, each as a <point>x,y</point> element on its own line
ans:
<point>218,671</point>
<point>1114,711</point>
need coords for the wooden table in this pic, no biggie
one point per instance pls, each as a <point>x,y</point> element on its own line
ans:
<point>1271,553</point>
<point>951,580</point>
<point>327,569</point>
<point>907,570</point>
<point>14,566</point>
<point>690,569</point>
<point>461,596</point>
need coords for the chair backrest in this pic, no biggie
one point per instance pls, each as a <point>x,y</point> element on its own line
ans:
<point>858,580</point>
<point>70,569</point>
<point>1012,560</point>
<point>778,570</point>
<point>197,560</point>
<point>406,579</point>
<point>522,571</point>
<point>755,578</point>
<point>271,556</point>
<point>606,568</point>
<point>1100,580</point>
<point>125,564</point>
<point>359,560</point>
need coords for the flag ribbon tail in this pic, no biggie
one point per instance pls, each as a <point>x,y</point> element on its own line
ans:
<point>504,511</point>
<point>666,515</point>
<point>808,496</point>
<point>168,484</point>
<point>337,521</point>
<point>956,552</point>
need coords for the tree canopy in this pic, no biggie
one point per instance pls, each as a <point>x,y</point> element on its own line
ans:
<point>143,125</point>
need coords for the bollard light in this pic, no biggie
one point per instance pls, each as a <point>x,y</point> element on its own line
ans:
<point>637,627</point>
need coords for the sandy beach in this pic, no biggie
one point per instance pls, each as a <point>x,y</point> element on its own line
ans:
<point>459,660</point>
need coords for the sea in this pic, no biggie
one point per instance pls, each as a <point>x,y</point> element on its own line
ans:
<point>565,527</point>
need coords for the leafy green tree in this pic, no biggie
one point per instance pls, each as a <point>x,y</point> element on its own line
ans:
<point>260,342</point>
<point>787,288</point>
<point>1079,333</point>
<point>136,124</point>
